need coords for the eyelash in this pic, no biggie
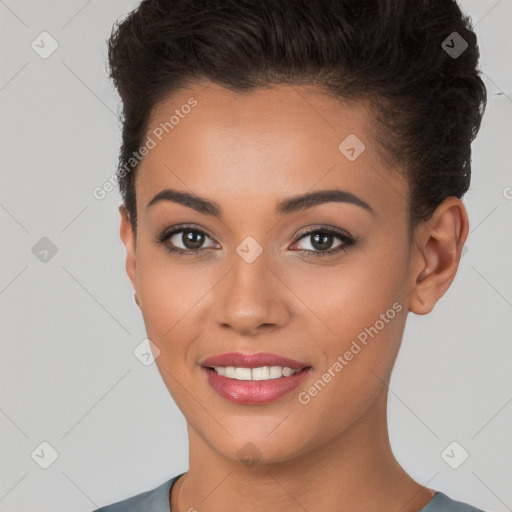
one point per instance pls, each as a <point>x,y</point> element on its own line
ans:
<point>348,241</point>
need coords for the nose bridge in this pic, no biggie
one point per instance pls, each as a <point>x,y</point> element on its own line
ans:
<point>250,297</point>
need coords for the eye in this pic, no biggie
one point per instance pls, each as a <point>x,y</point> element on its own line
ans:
<point>189,241</point>
<point>322,240</point>
<point>190,238</point>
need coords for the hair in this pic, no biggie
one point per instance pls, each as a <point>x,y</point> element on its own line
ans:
<point>426,105</point>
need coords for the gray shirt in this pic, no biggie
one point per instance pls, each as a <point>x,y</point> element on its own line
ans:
<point>157,500</point>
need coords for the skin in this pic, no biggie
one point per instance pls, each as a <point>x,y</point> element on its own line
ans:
<point>247,152</point>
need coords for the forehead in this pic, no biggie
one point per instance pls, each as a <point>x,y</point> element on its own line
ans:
<point>264,143</point>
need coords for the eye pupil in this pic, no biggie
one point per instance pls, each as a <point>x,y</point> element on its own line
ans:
<point>192,239</point>
<point>322,241</point>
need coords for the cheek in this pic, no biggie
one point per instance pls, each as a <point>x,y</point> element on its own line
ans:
<point>167,298</point>
<point>346,298</point>
<point>359,317</point>
<point>356,363</point>
<point>175,296</point>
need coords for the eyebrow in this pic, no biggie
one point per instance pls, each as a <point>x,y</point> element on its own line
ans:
<point>285,207</point>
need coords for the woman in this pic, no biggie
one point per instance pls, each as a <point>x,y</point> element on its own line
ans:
<point>292,174</point>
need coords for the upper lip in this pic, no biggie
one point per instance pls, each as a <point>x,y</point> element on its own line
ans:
<point>260,359</point>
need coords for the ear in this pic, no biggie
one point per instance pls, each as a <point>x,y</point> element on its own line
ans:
<point>438,246</point>
<point>128,239</point>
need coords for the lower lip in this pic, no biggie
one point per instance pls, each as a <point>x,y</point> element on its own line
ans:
<point>254,392</point>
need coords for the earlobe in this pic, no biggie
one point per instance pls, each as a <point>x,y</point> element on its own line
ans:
<point>438,247</point>
<point>127,237</point>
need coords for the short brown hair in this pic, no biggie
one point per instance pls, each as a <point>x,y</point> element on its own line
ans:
<point>428,103</point>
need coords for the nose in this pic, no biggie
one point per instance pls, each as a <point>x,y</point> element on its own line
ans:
<point>251,299</point>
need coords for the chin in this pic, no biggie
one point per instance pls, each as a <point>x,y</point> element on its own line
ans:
<point>257,447</point>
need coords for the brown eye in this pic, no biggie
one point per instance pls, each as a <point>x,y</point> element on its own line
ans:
<point>190,239</point>
<point>185,240</point>
<point>322,242</point>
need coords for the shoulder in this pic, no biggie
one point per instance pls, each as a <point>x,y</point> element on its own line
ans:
<point>154,500</point>
<point>443,503</point>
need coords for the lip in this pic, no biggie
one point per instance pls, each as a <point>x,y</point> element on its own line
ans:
<point>253,392</point>
<point>258,360</point>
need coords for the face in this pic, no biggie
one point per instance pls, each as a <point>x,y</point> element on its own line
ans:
<point>322,282</point>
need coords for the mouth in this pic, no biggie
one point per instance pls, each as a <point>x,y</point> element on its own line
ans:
<point>259,373</point>
<point>265,385</point>
<point>241,361</point>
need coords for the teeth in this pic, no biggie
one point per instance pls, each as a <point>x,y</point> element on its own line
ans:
<point>262,373</point>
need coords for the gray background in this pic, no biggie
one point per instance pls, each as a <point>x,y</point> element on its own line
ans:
<point>69,325</point>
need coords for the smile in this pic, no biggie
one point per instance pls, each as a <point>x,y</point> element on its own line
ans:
<point>265,384</point>
<point>261,373</point>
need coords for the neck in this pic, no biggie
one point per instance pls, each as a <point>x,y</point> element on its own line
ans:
<point>354,471</point>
